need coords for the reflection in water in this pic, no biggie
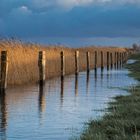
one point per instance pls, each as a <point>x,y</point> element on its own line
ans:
<point>76,84</point>
<point>3,116</point>
<point>41,100</point>
<point>95,80</point>
<point>102,76</point>
<point>62,90</point>
<point>95,75</point>
<point>102,73</point>
<point>87,83</point>
<point>61,122</point>
<point>111,66</point>
<point>108,76</point>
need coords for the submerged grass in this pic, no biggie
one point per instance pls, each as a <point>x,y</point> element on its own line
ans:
<point>123,121</point>
<point>23,60</point>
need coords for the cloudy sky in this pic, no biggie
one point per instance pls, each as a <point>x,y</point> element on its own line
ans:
<point>86,20</point>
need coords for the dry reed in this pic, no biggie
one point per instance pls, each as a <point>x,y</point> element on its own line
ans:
<point>23,60</point>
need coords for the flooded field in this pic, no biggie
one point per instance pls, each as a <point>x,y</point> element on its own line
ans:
<point>59,110</point>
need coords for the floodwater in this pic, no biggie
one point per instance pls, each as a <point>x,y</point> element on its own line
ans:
<point>59,110</point>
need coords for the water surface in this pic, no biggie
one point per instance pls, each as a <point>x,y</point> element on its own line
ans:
<point>60,109</point>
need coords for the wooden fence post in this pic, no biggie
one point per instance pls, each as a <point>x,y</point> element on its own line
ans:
<point>88,61</point>
<point>62,63</point>
<point>76,62</point>
<point>107,60</point>
<point>95,65</point>
<point>42,66</point>
<point>102,60</point>
<point>120,56</point>
<point>115,59</point>
<point>111,60</point>
<point>4,71</point>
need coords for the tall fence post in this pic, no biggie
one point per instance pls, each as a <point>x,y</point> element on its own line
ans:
<point>95,65</point>
<point>102,60</point>
<point>120,57</point>
<point>42,67</point>
<point>76,62</point>
<point>62,63</point>
<point>115,59</point>
<point>4,71</point>
<point>107,60</point>
<point>111,60</point>
<point>88,61</point>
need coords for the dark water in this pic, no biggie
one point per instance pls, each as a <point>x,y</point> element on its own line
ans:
<point>59,111</point>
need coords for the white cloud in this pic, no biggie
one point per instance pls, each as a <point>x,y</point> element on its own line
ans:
<point>75,3</point>
<point>21,10</point>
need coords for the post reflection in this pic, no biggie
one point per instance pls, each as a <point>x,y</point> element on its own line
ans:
<point>102,76</point>
<point>108,76</point>
<point>62,90</point>
<point>41,100</point>
<point>95,78</point>
<point>102,73</point>
<point>87,83</point>
<point>3,116</point>
<point>76,84</point>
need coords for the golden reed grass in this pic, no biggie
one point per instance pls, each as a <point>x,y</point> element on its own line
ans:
<point>23,60</point>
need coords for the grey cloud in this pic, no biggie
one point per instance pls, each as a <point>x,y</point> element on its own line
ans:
<point>34,19</point>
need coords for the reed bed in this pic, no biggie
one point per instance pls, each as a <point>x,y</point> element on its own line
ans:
<point>23,60</point>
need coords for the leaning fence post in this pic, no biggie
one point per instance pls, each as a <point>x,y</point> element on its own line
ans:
<point>62,63</point>
<point>42,66</point>
<point>4,71</point>
<point>88,61</point>
<point>102,60</point>
<point>76,62</point>
<point>107,60</point>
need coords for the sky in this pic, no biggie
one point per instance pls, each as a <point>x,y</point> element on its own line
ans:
<point>64,21</point>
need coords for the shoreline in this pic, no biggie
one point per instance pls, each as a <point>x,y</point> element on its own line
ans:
<point>122,123</point>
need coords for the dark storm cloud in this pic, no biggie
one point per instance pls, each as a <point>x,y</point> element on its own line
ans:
<point>54,18</point>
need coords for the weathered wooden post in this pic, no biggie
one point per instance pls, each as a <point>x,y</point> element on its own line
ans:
<point>62,63</point>
<point>95,65</point>
<point>111,60</point>
<point>120,58</point>
<point>107,60</point>
<point>4,71</point>
<point>115,59</point>
<point>102,60</point>
<point>88,61</point>
<point>42,67</point>
<point>76,62</point>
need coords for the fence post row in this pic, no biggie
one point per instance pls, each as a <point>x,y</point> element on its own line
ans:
<point>62,63</point>
<point>42,66</point>
<point>76,62</point>
<point>111,60</point>
<point>96,55</point>
<point>4,71</point>
<point>102,60</point>
<point>107,60</point>
<point>88,61</point>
